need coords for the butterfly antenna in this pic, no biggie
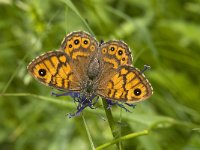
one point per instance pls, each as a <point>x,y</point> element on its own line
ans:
<point>146,67</point>
<point>101,42</point>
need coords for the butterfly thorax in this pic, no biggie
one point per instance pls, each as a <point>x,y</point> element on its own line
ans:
<point>93,69</point>
<point>89,85</point>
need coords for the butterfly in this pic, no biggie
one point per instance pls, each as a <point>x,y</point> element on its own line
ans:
<point>84,65</point>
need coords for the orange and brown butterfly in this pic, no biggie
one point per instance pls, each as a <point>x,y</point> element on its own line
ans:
<point>91,68</point>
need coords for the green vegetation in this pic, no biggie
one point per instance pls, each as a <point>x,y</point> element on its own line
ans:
<point>164,34</point>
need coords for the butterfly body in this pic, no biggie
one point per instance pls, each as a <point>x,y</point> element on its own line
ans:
<point>88,88</point>
<point>85,66</point>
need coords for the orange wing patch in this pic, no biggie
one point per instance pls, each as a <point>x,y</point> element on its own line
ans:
<point>111,61</point>
<point>63,59</point>
<point>76,54</point>
<point>85,42</point>
<point>53,70</point>
<point>128,84</point>
<point>117,51</point>
<point>77,44</point>
<point>69,47</point>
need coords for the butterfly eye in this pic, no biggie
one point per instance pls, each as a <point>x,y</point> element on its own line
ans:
<point>42,72</point>
<point>137,92</point>
<point>76,42</point>
<point>120,52</point>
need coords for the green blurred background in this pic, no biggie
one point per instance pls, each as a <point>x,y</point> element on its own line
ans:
<point>164,34</point>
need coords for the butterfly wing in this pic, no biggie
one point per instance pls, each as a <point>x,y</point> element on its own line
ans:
<point>53,69</point>
<point>80,47</point>
<point>119,80</point>
<point>114,54</point>
<point>127,84</point>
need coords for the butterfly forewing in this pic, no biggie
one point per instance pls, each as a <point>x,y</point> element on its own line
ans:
<point>79,44</point>
<point>127,84</point>
<point>116,52</point>
<point>53,69</point>
<point>80,47</point>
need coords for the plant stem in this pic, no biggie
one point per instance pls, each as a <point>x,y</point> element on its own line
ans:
<point>126,137</point>
<point>88,133</point>
<point>110,121</point>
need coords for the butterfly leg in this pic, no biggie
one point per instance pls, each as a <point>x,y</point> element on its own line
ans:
<point>83,103</point>
<point>87,102</point>
<point>78,112</point>
<point>112,103</point>
<point>60,94</point>
<point>130,105</point>
<point>91,105</point>
<point>74,95</point>
<point>109,103</point>
<point>123,107</point>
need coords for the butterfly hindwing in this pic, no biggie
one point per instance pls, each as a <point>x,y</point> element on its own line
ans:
<point>53,69</point>
<point>127,84</point>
